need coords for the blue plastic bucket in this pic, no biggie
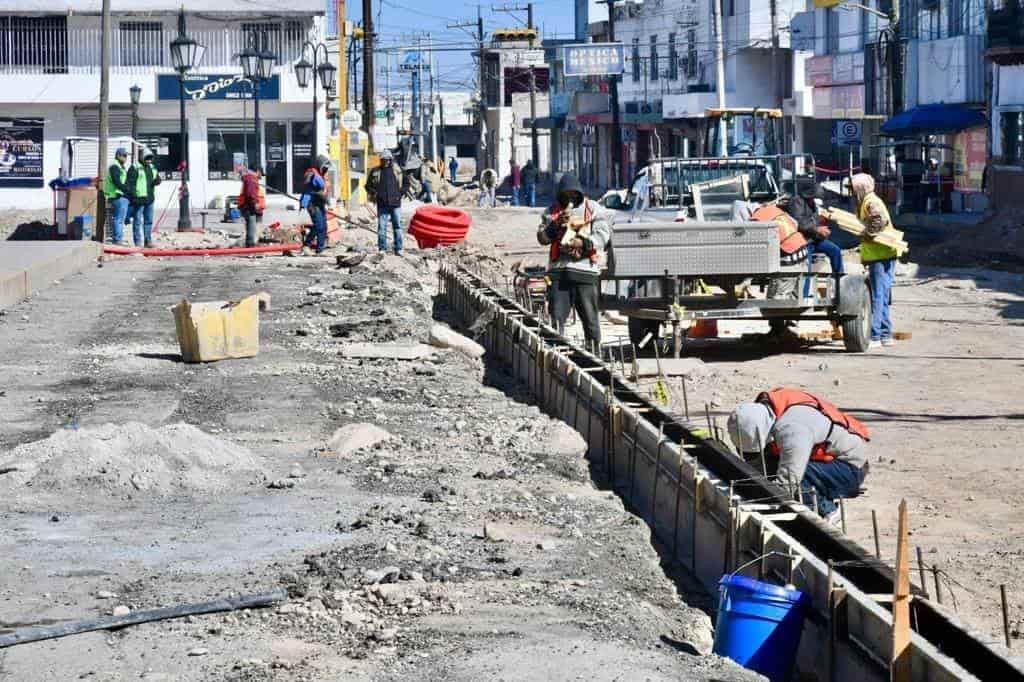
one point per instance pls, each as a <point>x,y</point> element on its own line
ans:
<point>759,625</point>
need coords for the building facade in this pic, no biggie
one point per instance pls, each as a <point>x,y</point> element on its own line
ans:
<point>49,95</point>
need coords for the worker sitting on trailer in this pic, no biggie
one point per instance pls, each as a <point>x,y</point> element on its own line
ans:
<point>804,210</point>
<point>576,229</point>
<point>797,436</point>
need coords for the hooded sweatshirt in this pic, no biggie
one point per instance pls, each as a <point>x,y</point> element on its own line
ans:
<point>584,268</point>
<point>752,426</point>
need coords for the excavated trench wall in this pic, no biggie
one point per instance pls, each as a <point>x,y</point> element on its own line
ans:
<point>708,512</point>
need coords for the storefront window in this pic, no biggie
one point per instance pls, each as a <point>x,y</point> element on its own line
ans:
<point>226,145</point>
<point>166,148</point>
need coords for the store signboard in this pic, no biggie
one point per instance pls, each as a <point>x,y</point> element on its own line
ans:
<point>594,59</point>
<point>216,86</point>
<point>21,152</point>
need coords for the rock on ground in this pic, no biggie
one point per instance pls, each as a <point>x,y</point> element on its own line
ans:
<point>443,337</point>
<point>352,437</point>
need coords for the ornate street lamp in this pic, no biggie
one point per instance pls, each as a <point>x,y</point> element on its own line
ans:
<point>325,72</point>
<point>186,54</point>
<point>257,66</point>
<point>135,93</point>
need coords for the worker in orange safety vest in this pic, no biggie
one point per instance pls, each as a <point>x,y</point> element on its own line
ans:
<point>800,437</point>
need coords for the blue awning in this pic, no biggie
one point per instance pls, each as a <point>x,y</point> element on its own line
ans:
<point>933,119</point>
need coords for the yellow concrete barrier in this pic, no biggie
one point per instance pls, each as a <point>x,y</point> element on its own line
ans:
<point>219,330</point>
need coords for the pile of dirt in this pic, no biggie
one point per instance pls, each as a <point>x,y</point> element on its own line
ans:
<point>996,242</point>
<point>131,458</point>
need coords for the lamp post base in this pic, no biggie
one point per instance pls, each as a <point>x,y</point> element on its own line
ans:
<point>184,211</point>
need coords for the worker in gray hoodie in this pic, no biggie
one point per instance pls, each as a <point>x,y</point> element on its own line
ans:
<point>800,437</point>
<point>576,230</point>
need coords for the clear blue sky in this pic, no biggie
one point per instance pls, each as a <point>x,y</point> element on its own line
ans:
<point>399,22</point>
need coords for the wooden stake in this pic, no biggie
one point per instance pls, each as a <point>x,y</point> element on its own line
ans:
<point>874,523</point>
<point>938,585</point>
<point>901,603</point>
<point>1006,615</point>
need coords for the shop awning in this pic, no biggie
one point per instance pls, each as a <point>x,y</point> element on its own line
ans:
<point>933,119</point>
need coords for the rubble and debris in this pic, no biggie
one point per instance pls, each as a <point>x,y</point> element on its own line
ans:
<point>352,437</point>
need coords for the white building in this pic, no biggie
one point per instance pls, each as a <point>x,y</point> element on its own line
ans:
<point>49,92</point>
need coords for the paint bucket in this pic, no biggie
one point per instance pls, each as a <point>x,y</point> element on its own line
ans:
<point>759,625</point>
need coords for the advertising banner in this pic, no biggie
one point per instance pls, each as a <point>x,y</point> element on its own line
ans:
<point>21,152</point>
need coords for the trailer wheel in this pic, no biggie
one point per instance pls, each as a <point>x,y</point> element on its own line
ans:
<point>857,329</point>
<point>639,328</point>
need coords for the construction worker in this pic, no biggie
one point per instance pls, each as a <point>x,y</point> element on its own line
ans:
<point>576,229</point>
<point>803,208</point>
<point>515,180</point>
<point>800,437</point>
<point>488,187</point>
<point>141,185</point>
<point>314,200</point>
<point>386,186</point>
<point>117,193</point>
<point>529,176</point>
<point>251,203</point>
<point>879,259</point>
<point>453,167</point>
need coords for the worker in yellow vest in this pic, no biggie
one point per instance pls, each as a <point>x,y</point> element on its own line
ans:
<point>141,185</point>
<point>116,193</point>
<point>879,259</point>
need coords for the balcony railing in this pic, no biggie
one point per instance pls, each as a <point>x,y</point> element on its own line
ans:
<point>49,46</point>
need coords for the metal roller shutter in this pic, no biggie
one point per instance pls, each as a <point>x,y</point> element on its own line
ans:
<point>87,124</point>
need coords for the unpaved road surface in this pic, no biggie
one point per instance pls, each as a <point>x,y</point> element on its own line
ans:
<point>469,544</point>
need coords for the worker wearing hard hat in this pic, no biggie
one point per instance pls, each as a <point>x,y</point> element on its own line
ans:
<point>803,439</point>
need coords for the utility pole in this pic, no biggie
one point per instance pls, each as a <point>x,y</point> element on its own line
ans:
<point>723,145</point>
<point>534,141</point>
<point>433,128</point>
<point>616,120</point>
<point>897,59</point>
<point>100,228</point>
<point>480,142</point>
<point>369,99</point>
<point>777,78</point>
<point>343,183</point>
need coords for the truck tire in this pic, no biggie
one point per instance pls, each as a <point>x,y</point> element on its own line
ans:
<point>857,328</point>
<point>640,328</point>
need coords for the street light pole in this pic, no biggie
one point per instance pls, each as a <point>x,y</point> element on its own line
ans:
<point>257,66</point>
<point>135,93</point>
<point>186,54</point>
<point>322,72</point>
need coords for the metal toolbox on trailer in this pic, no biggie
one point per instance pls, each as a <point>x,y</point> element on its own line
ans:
<point>694,249</point>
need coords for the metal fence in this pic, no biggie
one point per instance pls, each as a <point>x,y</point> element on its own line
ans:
<point>47,45</point>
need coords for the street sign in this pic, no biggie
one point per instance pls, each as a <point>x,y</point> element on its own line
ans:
<point>594,59</point>
<point>846,132</point>
<point>351,120</point>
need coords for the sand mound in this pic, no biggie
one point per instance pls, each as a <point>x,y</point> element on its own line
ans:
<point>131,458</point>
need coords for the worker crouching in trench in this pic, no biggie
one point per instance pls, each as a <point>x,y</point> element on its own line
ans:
<point>576,229</point>
<point>798,436</point>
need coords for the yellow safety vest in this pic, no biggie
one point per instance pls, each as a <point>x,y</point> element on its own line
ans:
<point>870,250</point>
<point>109,188</point>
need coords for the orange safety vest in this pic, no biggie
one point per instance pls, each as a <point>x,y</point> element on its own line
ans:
<point>261,197</point>
<point>792,244</point>
<point>555,211</point>
<point>781,399</point>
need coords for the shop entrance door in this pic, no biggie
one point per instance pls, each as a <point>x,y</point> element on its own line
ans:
<point>276,144</point>
<point>302,151</point>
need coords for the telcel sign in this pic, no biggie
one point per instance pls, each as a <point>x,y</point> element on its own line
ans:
<point>594,59</point>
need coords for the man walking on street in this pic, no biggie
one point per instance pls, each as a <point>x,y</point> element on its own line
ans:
<point>576,231</point>
<point>386,186</point>
<point>879,259</point>
<point>515,181</point>
<point>141,184</point>
<point>116,192</point>
<point>529,176</point>
<point>805,441</point>
<point>453,167</point>
<point>251,203</point>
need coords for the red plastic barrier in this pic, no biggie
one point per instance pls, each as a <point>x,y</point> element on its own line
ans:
<point>439,226</point>
<point>225,251</point>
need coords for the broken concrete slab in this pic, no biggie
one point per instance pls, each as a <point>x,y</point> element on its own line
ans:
<point>670,367</point>
<point>352,437</point>
<point>443,337</point>
<point>386,351</point>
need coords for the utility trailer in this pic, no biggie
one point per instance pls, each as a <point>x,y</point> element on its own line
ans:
<point>662,272</point>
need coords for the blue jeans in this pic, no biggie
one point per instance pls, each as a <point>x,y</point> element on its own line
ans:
<point>142,223</point>
<point>531,195</point>
<point>119,211</point>
<point>394,215</point>
<point>880,276</point>
<point>830,249</point>
<point>515,196</point>
<point>319,233</point>
<point>832,480</point>
<point>453,177</point>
